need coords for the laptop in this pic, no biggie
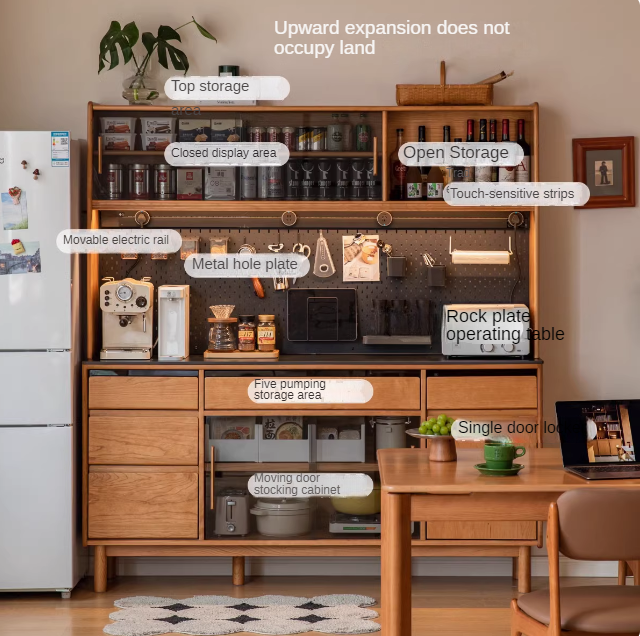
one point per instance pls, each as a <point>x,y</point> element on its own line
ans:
<point>597,438</point>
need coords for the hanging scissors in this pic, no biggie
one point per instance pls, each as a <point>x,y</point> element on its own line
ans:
<point>301,248</point>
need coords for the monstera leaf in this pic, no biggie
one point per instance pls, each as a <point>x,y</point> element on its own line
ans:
<point>117,36</point>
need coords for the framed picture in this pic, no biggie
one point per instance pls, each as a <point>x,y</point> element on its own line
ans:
<point>607,166</point>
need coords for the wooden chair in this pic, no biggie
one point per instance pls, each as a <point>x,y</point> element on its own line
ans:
<point>591,525</point>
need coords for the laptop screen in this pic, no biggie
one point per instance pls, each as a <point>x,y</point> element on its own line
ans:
<point>600,431</point>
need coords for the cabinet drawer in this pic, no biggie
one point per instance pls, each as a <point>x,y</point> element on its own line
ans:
<point>140,438</point>
<point>497,530</point>
<point>158,504</point>
<point>389,394</point>
<point>482,392</point>
<point>139,392</point>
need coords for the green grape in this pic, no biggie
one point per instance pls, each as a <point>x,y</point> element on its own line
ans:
<point>431,421</point>
<point>423,430</point>
<point>436,429</point>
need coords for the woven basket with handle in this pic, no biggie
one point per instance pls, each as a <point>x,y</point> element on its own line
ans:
<point>444,94</point>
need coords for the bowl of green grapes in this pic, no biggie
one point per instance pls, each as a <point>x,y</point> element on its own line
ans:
<point>441,444</point>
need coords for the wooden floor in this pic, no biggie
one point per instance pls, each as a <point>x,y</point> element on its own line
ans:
<point>452,606</point>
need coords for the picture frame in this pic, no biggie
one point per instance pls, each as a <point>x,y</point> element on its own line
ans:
<point>607,166</point>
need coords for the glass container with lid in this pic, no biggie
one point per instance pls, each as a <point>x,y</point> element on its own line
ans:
<point>247,333</point>
<point>222,335</point>
<point>266,332</point>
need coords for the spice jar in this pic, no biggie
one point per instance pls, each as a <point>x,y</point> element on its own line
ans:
<point>221,334</point>
<point>266,332</point>
<point>247,333</point>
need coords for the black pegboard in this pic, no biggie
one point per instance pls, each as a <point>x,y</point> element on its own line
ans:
<point>465,283</point>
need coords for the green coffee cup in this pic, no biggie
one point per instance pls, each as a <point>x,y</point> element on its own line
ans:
<point>498,455</point>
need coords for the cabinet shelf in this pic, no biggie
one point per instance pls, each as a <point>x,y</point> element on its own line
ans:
<point>293,153</point>
<point>292,467</point>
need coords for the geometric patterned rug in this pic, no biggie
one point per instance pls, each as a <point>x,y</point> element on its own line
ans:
<point>214,615</point>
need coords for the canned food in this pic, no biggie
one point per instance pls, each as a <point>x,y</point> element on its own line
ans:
<point>363,135</point>
<point>289,137</point>
<point>334,134</point>
<point>139,180</point>
<point>373,183</point>
<point>309,179</point>
<point>326,179</point>
<point>263,182</point>
<point>257,134</point>
<point>343,171</point>
<point>248,182</point>
<point>358,181</point>
<point>303,138</point>
<point>318,139</point>
<point>273,134</point>
<point>114,180</point>
<point>293,182</point>
<point>275,187</point>
<point>164,181</point>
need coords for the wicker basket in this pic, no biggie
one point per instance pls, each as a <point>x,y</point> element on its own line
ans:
<point>444,94</point>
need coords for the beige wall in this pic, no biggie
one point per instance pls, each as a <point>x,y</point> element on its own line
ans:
<point>577,59</point>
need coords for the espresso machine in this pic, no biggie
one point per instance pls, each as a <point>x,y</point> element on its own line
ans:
<point>173,322</point>
<point>127,319</point>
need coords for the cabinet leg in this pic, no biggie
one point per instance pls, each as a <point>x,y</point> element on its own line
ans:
<point>112,568</point>
<point>622,572</point>
<point>524,569</point>
<point>100,569</point>
<point>514,568</point>
<point>238,571</point>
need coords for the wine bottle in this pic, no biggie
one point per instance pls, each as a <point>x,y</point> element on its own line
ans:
<point>398,170</point>
<point>424,170</point>
<point>493,136</point>
<point>446,170</point>
<point>483,173</point>
<point>506,173</point>
<point>523,169</point>
<point>470,171</point>
<point>413,191</point>
<point>457,172</point>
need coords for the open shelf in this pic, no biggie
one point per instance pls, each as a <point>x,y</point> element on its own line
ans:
<point>292,153</point>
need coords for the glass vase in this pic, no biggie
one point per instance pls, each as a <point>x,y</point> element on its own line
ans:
<point>140,88</point>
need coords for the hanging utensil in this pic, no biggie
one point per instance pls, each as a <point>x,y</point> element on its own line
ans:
<point>258,289</point>
<point>301,248</point>
<point>323,266</point>
<point>280,283</point>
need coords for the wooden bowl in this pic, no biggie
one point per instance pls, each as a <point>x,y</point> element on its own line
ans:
<point>442,448</point>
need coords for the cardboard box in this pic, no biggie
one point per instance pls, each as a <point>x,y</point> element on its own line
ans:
<point>189,184</point>
<point>226,130</point>
<point>194,130</point>
<point>221,183</point>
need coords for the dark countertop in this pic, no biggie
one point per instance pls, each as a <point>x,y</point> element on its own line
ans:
<point>416,361</point>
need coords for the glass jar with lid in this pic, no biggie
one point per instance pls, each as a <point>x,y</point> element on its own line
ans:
<point>222,335</point>
<point>247,333</point>
<point>266,332</point>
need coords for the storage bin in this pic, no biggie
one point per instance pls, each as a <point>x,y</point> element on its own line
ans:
<point>342,450</point>
<point>118,141</point>
<point>118,124</point>
<point>157,125</point>
<point>284,450</point>
<point>228,449</point>
<point>156,141</point>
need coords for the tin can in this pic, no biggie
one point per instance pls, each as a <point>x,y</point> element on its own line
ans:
<point>248,182</point>
<point>309,169</point>
<point>263,182</point>
<point>347,132</point>
<point>357,180</point>
<point>275,186</point>
<point>334,134</point>
<point>273,134</point>
<point>318,138</point>
<point>257,134</point>
<point>326,179</point>
<point>164,181</point>
<point>363,137</point>
<point>114,180</point>
<point>373,183</point>
<point>293,181</point>
<point>343,172</point>
<point>139,180</point>
<point>289,137</point>
<point>303,138</point>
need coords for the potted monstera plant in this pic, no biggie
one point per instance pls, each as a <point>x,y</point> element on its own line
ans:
<point>140,88</point>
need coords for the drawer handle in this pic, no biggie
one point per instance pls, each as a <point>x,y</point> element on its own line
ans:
<point>212,498</point>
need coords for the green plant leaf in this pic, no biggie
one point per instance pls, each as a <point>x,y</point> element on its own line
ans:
<point>149,40</point>
<point>162,53</point>
<point>203,31</point>
<point>178,59</point>
<point>116,36</point>
<point>167,33</point>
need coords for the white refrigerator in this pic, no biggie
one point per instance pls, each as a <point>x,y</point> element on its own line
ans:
<point>39,362</point>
